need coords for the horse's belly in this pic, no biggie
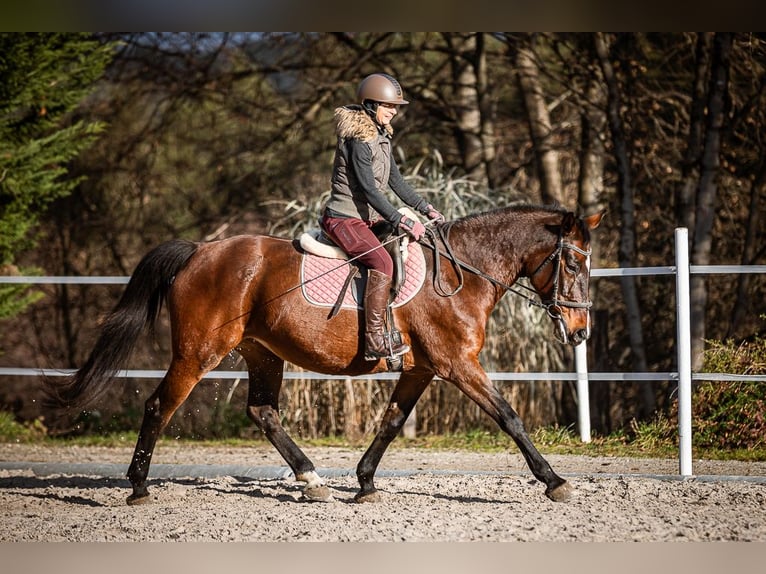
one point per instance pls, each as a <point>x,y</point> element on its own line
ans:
<point>303,335</point>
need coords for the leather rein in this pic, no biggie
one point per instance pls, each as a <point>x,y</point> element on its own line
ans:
<point>440,234</point>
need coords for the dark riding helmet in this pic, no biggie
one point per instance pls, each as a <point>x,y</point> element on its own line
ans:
<point>380,88</point>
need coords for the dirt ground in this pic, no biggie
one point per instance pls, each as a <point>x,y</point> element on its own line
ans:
<point>247,494</point>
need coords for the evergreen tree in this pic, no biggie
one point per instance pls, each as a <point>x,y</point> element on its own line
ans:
<point>43,78</point>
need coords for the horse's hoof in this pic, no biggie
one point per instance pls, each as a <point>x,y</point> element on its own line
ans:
<point>561,493</point>
<point>136,499</point>
<point>318,494</point>
<point>371,496</point>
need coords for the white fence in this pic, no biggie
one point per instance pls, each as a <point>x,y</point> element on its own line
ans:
<point>684,375</point>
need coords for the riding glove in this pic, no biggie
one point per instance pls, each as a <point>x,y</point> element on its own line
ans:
<point>432,214</point>
<point>414,228</point>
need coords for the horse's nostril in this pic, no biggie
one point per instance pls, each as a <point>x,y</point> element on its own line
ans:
<point>580,335</point>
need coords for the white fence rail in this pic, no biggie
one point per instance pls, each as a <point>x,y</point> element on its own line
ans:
<point>684,375</point>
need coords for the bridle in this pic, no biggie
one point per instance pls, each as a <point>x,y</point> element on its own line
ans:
<point>552,306</point>
<point>555,256</point>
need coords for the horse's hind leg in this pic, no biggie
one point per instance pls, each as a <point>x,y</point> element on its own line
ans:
<point>265,372</point>
<point>406,393</point>
<point>158,410</point>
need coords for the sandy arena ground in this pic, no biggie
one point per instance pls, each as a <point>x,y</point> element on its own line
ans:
<point>247,494</point>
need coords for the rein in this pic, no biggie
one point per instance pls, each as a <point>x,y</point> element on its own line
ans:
<point>441,232</point>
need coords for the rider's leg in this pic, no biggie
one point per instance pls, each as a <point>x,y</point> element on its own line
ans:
<point>355,238</point>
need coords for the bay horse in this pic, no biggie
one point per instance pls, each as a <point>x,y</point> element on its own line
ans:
<point>239,294</point>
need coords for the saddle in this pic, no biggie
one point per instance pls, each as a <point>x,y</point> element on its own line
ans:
<point>316,242</point>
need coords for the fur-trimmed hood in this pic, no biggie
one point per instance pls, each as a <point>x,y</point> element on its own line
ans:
<point>353,122</point>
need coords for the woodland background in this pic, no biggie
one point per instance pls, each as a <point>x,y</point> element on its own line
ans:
<point>111,144</point>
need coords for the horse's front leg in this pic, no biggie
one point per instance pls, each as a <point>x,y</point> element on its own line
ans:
<point>406,393</point>
<point>266,417</point>
<point>479,388</point>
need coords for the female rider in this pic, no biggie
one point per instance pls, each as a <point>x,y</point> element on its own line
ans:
<point>364,166</point>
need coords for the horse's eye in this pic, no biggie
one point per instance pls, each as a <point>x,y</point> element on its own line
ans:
<point>573,266</point>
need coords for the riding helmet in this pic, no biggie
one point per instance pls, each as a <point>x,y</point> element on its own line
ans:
<point>380,88</point>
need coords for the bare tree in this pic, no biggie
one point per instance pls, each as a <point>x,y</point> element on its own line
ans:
<point>593,119</point>
<point>538,117</point>
<point>685,196</point>
<point>706,191</point>
<point>473,120</point>
<point>627,250</point>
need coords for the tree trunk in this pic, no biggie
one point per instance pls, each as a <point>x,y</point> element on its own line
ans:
<point>748,253</point>
<point>627,250</point>
<point>591,178</point>
<point>546,156</point>
<point>707,190</point>
<point>473,116</point>
<point>690,163</point>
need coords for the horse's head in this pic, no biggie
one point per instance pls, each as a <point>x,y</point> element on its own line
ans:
<point>560,274</point>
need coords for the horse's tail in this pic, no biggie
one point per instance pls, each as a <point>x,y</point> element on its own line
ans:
<point>137,309</point>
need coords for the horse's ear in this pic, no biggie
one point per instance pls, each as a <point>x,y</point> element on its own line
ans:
<point>568,223</point>
<point>593,221</point>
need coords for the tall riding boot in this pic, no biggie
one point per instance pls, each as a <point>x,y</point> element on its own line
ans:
<point>377,344</point>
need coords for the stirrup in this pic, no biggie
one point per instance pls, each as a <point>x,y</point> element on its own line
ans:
<point>391,339</point>
<point>373,356</point>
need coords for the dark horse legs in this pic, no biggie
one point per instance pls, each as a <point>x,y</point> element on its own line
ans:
<point>158,409</point>
<point>406,393</point>
<point>481,390</point>
<point>265,375</point>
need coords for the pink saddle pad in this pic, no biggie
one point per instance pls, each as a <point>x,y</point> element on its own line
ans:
<point>323,278</point>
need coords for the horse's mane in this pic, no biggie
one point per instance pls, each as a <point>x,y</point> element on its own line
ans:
<point>503,218</point>
<point>522,209</point>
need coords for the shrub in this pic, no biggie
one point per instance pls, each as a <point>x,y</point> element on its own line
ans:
<point>14,431</point>
<point>730,415</point>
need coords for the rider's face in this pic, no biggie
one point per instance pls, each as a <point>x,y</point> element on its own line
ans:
<point>386,113</point>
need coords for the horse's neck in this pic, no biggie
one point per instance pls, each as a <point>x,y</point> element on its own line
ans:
<point>493,247</point>
<point>499,246</point>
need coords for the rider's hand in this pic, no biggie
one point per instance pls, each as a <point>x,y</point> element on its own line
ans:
<point>433,214</point>
<point>414,228</point>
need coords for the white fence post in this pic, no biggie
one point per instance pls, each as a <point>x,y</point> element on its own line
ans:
<point>409,430</point>
<point>684,352</point>
<point>583,397</point>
